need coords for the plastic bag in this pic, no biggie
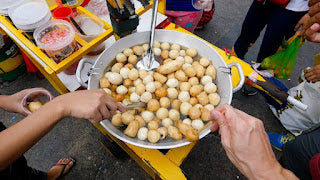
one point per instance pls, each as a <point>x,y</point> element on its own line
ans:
<point>283,61</point>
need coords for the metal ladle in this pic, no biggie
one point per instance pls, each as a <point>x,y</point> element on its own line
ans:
<point>148,62</point>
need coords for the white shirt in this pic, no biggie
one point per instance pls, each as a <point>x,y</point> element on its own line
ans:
<point>298,5</point>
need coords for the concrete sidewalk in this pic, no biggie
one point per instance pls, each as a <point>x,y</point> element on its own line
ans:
<point>79,139</point>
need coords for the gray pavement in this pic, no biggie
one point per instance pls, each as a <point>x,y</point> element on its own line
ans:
<point>79,139</point>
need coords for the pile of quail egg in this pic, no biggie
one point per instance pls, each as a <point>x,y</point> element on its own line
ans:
<point>183,86</point>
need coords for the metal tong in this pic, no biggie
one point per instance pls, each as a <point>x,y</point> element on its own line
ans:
<point>148,62</point>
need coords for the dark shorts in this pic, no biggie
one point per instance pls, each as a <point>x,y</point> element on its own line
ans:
<point>298,153</point>
<point>20,169</point>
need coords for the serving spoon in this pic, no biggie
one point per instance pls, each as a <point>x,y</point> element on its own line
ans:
<point>148,62</point>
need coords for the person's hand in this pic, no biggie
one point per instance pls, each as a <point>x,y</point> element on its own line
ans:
<point>313,2</point>
<point>245,142</point>
<point>302,22</point>
<point>314,17</point>
<point>313,33</point>
<point>94,105</point>
<point>14,101</point>
<point>313,74</point>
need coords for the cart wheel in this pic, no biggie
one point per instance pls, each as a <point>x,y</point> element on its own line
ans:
<point>113,148</point>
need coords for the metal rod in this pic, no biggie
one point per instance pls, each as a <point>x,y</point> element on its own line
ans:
<point>153,26</point>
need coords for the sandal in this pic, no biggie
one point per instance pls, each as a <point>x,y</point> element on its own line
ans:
<point>64,167</point>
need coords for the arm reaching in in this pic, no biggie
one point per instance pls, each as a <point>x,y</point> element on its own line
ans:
<point>94,105</point>
<point>246,144</point>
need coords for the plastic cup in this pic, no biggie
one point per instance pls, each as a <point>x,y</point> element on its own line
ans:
<point>92,27</point>
<point>43,95</point>
<point>57,39</point>
<point>62,13</point>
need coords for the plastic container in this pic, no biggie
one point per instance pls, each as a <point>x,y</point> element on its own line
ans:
<point>41,95</point>
<point>92,27</point>
<point>57,39</point>
<point>201,4</point>
<point>6,4</point>
<point>30,14</point>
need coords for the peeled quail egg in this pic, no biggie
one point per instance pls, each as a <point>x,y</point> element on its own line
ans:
<point>145,97</point>
<point>182,53</point>
<point>214,99</point>
<point>210,88</point>
<point>187,121</point>
<point>133,59</point>
<point>133,74</point>
<point>164,102</point>
<point>142,133</point>
<point>138,50</point>
<point>206,79</point>
<point>121,89</point>
<point>174,114</point>
<point>147,79</point>
<point>121,57</point>
<point>150,87</point>
<point>197,124</point>
<point>204,62</point>
<point>128,52</point>
<point>172,93</point>
<point>185,107</point>
<point>134,97</point>
<point>147,116</point>
<point>124,72</point>
<point>115,78</point>
<point>175,47</point>
<point>173,54</point>
<point>157,51</point>
<point>162,113</point>
<point>184,96</point>
<point>167,122</point>
<point>192,52</point>
<point>165,46</point>
<point>172,83</point>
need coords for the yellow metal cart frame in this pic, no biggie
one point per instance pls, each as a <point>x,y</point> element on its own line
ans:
<point>157,164</point>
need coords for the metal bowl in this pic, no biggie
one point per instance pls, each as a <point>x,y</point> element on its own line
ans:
<point>223,80</point>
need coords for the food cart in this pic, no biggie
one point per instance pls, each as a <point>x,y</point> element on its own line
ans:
<point>164,164</point>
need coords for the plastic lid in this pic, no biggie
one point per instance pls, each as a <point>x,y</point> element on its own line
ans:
<point>6,4</point>
<point>54,35</point>
<point>28,13</point>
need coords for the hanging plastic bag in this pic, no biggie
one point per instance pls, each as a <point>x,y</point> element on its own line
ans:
<point>283,61</point>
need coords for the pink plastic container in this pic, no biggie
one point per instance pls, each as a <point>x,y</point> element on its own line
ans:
<point>57,39</point>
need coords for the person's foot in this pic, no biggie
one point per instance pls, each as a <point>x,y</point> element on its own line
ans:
<point>278,140</point>
<point>61,168</point>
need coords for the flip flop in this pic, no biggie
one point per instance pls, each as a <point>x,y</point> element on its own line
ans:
<point>64,167</point>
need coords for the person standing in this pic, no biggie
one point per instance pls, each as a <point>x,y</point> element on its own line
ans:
<point>279,20</point>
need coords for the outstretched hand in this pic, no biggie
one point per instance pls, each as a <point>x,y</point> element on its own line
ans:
<point>13,102</point>
<point>245,141</point>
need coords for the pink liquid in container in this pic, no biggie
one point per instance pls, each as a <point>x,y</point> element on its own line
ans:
<point>57,39</point>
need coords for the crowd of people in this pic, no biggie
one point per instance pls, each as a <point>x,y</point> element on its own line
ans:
<point>242,136</point>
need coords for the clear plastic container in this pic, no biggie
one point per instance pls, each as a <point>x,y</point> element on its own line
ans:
<point>92,27</point>
<point>57,39</point>
<point>6,4</point>
<point>30,14</point>
<point>201,4</point>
